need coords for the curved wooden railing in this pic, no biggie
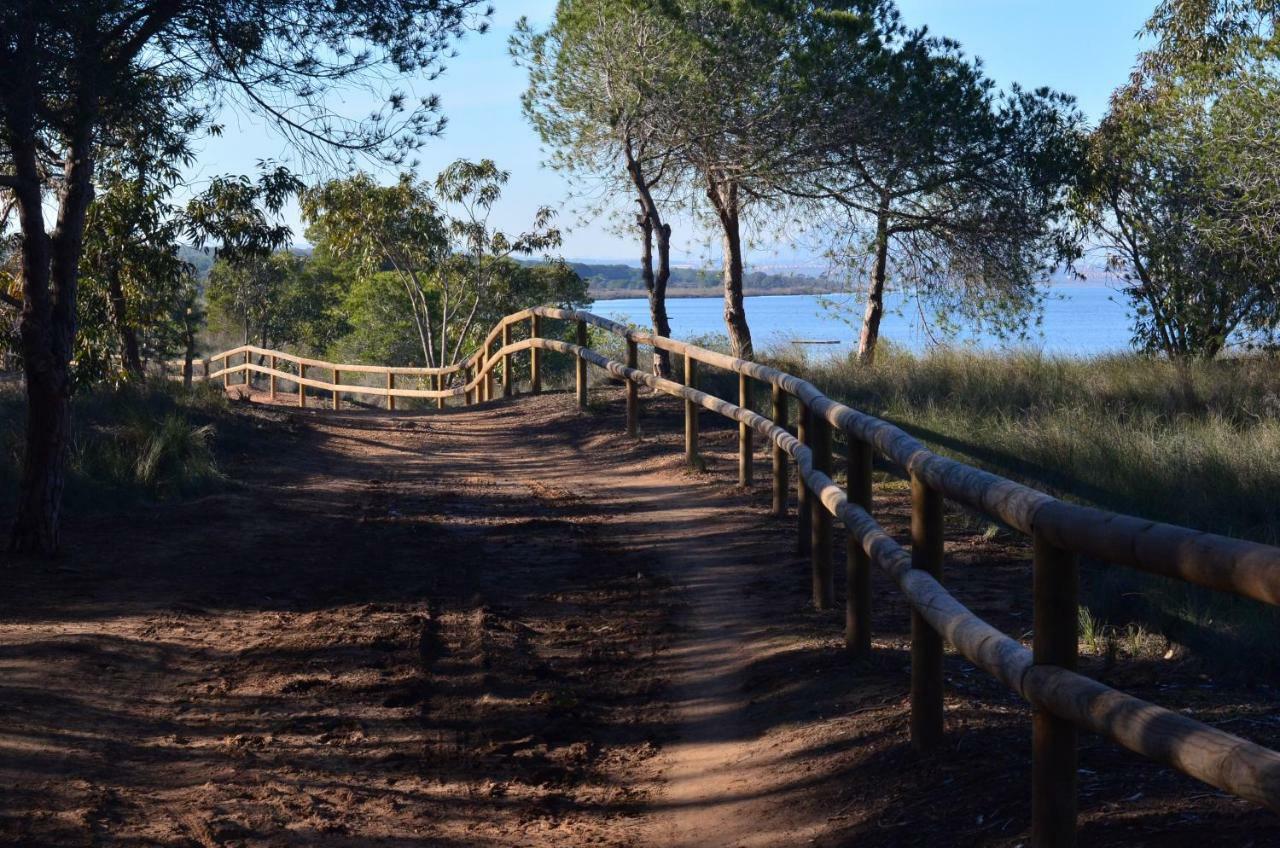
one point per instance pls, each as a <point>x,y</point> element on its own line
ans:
<point>1062,700</point>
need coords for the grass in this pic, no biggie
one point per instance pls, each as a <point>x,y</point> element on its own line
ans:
<point>1195,444</point>
<point>152,441</point>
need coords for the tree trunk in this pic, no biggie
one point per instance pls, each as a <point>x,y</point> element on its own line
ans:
<point>50,266</point>
<point>189,356</point>
<point>129,353</point>
<point>658,299</point>
<point>875,297</point>
<point>655,284</point>
<point>724,197</point>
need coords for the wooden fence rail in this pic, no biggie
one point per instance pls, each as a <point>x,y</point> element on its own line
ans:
<point>1062,699</point>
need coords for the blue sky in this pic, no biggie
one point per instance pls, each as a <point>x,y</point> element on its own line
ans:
<point>1083,47</point>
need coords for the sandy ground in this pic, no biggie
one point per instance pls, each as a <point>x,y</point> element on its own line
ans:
<point>509,625</point>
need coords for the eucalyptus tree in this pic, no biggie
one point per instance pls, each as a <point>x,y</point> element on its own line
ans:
<point>964,190</point>
<point>277,300</point>
<point>603,78</point>
<point>131,275</point>
<point>1210,37</point>
<point>436,238</point>
<point>1183,188</point>
<point>468,191</point>
<point>75,73</point>
<point>398,228</point>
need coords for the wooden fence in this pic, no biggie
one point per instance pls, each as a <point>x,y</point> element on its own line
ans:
<point>1062,700</point>
<point>473,379</point>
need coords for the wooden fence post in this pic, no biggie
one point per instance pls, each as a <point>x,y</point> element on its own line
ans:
<point>581,363</point>
<point>820,518</point>
<point>205,364</point>
<point>271,382</point>
<point>779,455</point>
<point>857,619</point>
<point>690,413</point>
<point>337,380</point>
<point>535,356</point>
<point>302,390</point>
<point>488,375</point>
<point>437,384</point>
<point>391,386</point>
<point>745,433</point>
<point>226,374</point>
<point>466,380</point>
<point>508,379</point>
<point>926,643</point>
<point>1056,599</point>
<point>633,390</point>
<point>803,506</point>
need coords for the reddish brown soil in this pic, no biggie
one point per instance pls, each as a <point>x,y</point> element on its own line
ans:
<point>509,625</point>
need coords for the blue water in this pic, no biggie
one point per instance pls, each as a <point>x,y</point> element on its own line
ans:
<point>1079,320</point>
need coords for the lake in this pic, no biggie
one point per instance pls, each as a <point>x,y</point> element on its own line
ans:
<point>1079,320</point>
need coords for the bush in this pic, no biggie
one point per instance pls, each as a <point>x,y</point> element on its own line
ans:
<point>147,441</point>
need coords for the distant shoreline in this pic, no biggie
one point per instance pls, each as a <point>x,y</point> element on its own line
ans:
<point>707,291</point>
<point>801,287</point>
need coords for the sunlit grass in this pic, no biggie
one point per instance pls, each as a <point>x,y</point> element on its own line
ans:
<point>1194,444</point>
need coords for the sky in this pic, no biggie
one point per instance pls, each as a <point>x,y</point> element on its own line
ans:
<point>1083,47</point>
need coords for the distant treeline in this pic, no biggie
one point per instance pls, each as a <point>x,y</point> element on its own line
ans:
<point>626,281</point>
<point>605,281</point>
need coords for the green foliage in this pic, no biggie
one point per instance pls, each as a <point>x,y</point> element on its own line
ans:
<point>1209,38</point>
<point>241,215</point>
<point>133,283</point>
<point>933,182</point>
<point>382,330</point>
<point>282,300</point>
<point>380,318</point>
<point>427,254</point>
<point>1183,192</point>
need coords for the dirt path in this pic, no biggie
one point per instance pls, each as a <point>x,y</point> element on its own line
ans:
<point>508,625</point>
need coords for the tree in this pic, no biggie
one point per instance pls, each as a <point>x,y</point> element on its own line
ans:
<point>378,310</point>
<point>599,81</point>
<point>734,118</point>
<point>280,301</point>
<point>1210,37</point>
<point>78,73</point>
<point>396,228</point>
<point>1183,193</point>
<point>964,192</point>
<point>131,277</point>
<point>130,270</point>
<point>481,253</point>
<point>435,239</point>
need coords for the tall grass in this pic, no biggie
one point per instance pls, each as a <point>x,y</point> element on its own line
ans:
<point>151,441</point>
<point>1196,444</point>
